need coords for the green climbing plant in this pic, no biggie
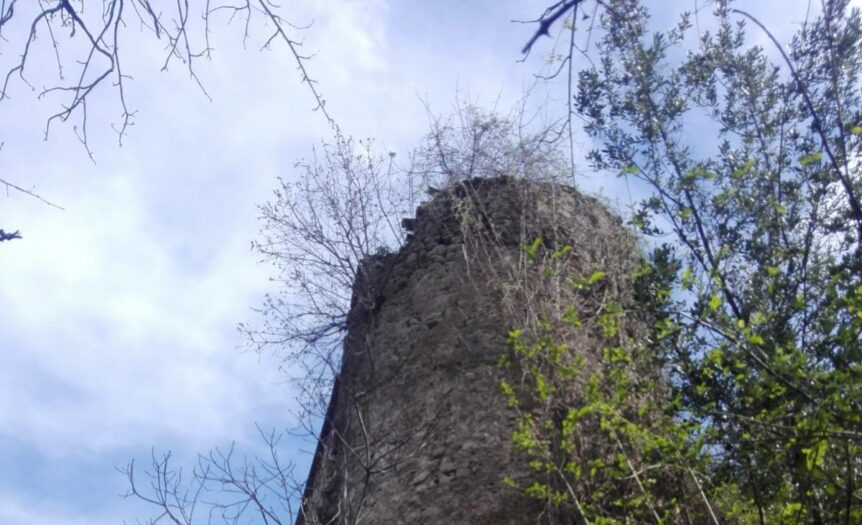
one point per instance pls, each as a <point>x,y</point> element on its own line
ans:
<point>596,421</point>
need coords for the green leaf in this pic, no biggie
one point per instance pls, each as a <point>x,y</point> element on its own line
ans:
<point>714,302</point>
<point>562,251</point>
<point>758,318</point>
<point>571,317</point>
<point>715,357</point>
<point>533,248</point>
<point>856,130</point>
<point>810,159</point>
<point>744,169</point>
<point>509,393</point>
<point>791,510</point>
<point>687,278</point>
<point>511,482</point>
<point>755,339</point>
<point>595,276</point>
<point>815,455</point>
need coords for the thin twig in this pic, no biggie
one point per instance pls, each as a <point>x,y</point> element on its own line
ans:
<point>30,193</point>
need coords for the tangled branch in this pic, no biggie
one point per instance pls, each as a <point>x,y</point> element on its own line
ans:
<point>86,45</point>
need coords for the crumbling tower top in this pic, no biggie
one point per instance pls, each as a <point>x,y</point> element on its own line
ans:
<point>417,430</point>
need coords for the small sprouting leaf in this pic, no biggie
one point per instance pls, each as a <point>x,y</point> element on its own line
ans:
<point>571,317</point>
<point>714,302</point>
<point>697,173</point>
<point>630,170</point>
<point>755,339</point>
<point>595,276</point>
<point>562,251</point>
<point>744,169</point>
<point>687,279</point>
<point>687,181</point>
<point>511,482</point>
<point>533,248</point>
<point>856,130</point>
<point>758,318</point>
<point>814,456</point>
<point>543,388</point>
<point>791,510</point>
<point>509,393</point>
<point>715,357</point>
<point>810,159</point>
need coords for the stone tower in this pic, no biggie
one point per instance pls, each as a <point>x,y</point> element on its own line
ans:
<point>417,431</point>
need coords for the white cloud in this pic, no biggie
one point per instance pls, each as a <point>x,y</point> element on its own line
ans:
<point>134,344</point>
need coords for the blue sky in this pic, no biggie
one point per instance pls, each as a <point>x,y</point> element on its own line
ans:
<point>118,329</point>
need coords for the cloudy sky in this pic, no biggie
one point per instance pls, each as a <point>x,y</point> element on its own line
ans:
<point>118,314</point>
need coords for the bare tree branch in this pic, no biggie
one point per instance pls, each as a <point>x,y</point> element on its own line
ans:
<point>9,236</point>
<point>86,47</point>
<point>548,18</point>
<point>28,192</point>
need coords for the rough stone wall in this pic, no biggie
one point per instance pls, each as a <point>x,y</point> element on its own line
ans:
<point>417,430</point>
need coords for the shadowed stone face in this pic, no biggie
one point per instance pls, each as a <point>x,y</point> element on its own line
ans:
<point>417,430</point>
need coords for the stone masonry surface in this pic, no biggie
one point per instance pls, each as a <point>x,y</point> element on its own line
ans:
<point>417,431</point>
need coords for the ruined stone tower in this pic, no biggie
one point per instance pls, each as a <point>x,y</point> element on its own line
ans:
<point>417,431</point>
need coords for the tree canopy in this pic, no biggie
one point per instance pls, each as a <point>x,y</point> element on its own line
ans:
<point>751,155</point>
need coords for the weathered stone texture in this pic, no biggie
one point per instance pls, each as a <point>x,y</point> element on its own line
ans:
<point>417,431</point>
